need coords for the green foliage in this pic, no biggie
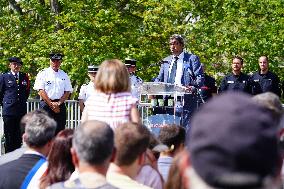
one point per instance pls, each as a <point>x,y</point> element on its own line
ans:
<point>95,30</point>
<point>249,28</point>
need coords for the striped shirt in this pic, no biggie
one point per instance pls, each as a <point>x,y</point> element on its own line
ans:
<point>113,109</point>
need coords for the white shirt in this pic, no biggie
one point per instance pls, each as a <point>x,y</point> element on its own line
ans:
<point>179,70</point>
<point>53,83</point>
<point>135,83</point>
<point>86,91</point>
<point>15,74</point>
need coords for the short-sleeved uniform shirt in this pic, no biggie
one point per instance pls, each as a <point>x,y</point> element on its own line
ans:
<point>86,91</point>
<point>53,83</point>
<point>135,83</point>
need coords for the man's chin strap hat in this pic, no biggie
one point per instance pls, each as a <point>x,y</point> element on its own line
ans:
<point>93,69</point>
<point>56,56</point>
<point>15,59</point>
<point>233,142</point>
<point>130,62</point>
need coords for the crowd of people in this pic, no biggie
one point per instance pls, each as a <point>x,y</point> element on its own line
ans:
<point>234,141</point>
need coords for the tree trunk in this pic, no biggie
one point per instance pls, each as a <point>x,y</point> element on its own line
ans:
<point>56,9</point>
<point>14,5</point>
<point>41,2</point>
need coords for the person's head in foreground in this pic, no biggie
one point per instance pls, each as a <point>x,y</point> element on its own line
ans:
<point>233,145</point>
<point>112,77</point>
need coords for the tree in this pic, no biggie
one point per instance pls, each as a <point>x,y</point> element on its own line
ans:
<point>249,28</point>
<point>90,31</point>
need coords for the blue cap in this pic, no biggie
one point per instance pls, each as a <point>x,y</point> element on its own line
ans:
<point>231,136</point>
<point>15,59</point>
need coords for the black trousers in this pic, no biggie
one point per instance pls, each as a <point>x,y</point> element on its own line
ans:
<point>60,117</point>
<point>12,132</point>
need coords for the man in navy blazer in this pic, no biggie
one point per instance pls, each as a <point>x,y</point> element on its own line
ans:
<point>182,68</point>
<point>14,92</point>
<point>26,171</point>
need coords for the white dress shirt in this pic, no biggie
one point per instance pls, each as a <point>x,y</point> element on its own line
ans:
<point>179,70</point>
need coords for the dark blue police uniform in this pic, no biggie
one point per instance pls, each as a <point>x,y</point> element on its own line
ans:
<point>233,82</point>
<point>268,82</point>
<point>14,92</point>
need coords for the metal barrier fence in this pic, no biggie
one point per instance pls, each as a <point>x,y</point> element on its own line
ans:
<point>73,115</point>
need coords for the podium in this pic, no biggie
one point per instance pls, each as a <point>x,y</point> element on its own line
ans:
<point>148,102</point>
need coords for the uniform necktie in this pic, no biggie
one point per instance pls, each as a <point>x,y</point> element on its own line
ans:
<point>16,78</point>
<point>172,76</point>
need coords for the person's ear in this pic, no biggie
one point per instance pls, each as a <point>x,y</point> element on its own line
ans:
<point>142,158</point>
<point>24,137</point>
<point>113,155</point>
<point>75,158</point>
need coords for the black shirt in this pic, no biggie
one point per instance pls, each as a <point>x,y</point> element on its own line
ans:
<point>233,82</point>
<point>268,82</point>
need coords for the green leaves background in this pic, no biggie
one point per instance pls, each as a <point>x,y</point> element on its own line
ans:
<point>90,31</point>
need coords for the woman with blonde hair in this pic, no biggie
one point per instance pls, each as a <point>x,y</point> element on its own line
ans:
<point>112,101</point>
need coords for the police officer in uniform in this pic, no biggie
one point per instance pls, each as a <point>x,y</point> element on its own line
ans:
<point>236,81</point>
<point>54,87</point>
<point>134,79</point>
<point>87,89</point>
<point>14,92</point>
<point>264,80</point>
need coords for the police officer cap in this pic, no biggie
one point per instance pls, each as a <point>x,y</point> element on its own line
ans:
<point>15,59</point>
<point>56,56</point>
<point>92,69</point>
<point>130,62</point>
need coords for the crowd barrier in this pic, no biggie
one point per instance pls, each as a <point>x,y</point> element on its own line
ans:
<point>73,116</point>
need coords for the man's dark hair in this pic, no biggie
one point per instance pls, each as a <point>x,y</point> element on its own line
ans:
<point>93,142</point>
<point>178,37</point>
<point>172,135</point>
<point>240,58</point>
<point>131,140</point>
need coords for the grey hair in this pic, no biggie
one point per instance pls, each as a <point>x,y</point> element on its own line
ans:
<point>39,129</point>
<point>93,142</point>
<point>270,101</point>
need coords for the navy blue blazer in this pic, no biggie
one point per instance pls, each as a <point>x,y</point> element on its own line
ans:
<point>192,70</point>
<point>12,174</point>
<point>14,94</point>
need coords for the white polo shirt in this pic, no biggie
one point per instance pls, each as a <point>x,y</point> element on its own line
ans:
<point>53,83</point>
